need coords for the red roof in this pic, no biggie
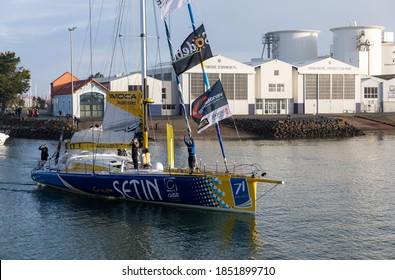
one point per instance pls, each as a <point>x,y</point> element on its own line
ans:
<point>64,89</point>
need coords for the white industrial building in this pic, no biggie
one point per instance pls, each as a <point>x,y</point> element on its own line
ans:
<point>238,81</point>
<point>334,84</point>
<point>310,87</point>
<point>327,86</point>
<point>378,94</point>
<point>388,94</point>
<point>275,85</point>
<point>357,76</point>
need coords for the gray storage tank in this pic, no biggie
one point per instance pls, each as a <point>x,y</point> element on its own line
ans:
<point>291,45</point>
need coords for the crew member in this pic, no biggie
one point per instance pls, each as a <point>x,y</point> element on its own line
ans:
<point>191,153</point>
<point>135,152</point>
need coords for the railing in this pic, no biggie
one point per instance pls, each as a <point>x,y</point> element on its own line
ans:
<point>240,169</point>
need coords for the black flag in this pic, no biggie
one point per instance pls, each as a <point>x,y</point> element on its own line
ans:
<point>195,49</point>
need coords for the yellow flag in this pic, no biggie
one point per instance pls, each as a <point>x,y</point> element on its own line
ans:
<point>170,145</point>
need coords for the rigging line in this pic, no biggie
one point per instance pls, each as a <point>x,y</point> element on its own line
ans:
<point>153,66</point>
<point>116,32</point>
<point>122,53</point>
<point>265,193</point>
<point>98,25</point>
<point>90,37</point>
<point>135,31</point>
<point>199,11</point>
<point>85,39</point>
<point>179,88</point>
<point>82,52</point>
<point>241,143</point>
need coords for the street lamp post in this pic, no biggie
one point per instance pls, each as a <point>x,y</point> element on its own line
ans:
<point>71,29</point>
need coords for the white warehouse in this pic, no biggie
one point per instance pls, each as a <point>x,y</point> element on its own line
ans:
<point>357,76</point>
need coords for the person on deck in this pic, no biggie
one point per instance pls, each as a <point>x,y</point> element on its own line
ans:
<point>44,153</point>
<point>135,152</point>
<point>191,153</point>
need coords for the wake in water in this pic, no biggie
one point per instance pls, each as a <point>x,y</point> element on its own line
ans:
<point>17,183</point>
<point>30,190</point>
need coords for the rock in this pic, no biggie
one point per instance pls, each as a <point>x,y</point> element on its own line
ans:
<point>293,129</point>
<point>37,128</point>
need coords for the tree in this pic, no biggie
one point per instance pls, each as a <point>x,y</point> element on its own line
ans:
<point>14,80</point>
<point>41,103</point>
<point>97,75</point>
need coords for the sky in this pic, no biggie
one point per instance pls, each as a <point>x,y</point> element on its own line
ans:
<point>37,31</point>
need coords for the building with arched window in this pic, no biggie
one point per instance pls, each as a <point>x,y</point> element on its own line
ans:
<point>84,99</point>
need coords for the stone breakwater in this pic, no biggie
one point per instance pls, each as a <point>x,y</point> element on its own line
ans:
<point>49,129</point>
<point>295,129</point>
<point>254,128</point>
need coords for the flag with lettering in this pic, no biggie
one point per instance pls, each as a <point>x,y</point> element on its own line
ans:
<point>193,51</point>
<point>211,107</point>
<point>168,6</point>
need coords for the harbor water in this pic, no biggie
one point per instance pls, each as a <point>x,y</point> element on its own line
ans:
<point>337,203</point>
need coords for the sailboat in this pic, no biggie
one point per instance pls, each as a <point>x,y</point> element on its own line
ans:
<point>112,176</point>
<point>3,137</point>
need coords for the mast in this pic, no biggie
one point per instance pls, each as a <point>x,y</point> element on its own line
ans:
<point>144,87</point>
<point>207,86</point>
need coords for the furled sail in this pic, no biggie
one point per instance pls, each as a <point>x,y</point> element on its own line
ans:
<point>123,110</point>
<point>122,120</point>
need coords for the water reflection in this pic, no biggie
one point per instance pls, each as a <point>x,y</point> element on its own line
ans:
<point>132,230</point>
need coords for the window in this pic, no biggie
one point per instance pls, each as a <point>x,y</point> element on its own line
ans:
<point>235,85</point>
<point>197,85</point>
<point>168,106</point>
<point>280,87</point>
<point>311,86</point>
<point>134,88</point>
<point>241,87</point>
<point>370,92</point>
<point>349,86</point>
<point>259,104</point>
<point>276,72</point>
<point>213,78</point>
<point>92,105</point>
<point>324,86</point>
<point>337,86</point>
<point>167,76</point>
<point>272,87</point>
<point>274,106</point>
<point>228,83</point>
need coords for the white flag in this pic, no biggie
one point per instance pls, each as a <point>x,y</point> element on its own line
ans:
<point>167,6</point>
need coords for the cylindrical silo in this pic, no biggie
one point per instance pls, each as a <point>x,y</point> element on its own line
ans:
<point>293,45</point>
<point>359,46</point>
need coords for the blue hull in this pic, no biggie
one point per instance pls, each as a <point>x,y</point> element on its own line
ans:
<point>185,190</point>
